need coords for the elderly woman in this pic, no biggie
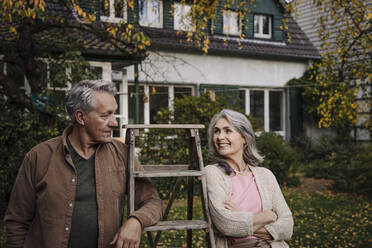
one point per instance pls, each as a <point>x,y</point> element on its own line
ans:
<point>246,204</point>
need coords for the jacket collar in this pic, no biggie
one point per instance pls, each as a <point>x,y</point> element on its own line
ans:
<point>65,133</point>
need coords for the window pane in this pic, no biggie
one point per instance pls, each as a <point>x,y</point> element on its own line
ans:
<point>117,95</point>
<point>142,9</point>
<point>182,17</point>
<point>105,7</point>
<point>57,76</point>
<point>231,22</point>
<point>59,97</point>
<point>97,71</point>
<point>119,8</point>
<point>266,26</point>
<point>132,104</point>
<point>257,107</point>
<point>179,92</point>
<point>154,13</point>
<point>276,111</point>
<point>256,24</point>
<point>158,100</point>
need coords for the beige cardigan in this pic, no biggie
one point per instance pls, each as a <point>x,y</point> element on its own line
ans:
<point>240,224</point>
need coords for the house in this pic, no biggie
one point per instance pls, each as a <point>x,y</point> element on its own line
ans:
<point>251,57</point>
<point>307,14</point>
<point>254,69</point>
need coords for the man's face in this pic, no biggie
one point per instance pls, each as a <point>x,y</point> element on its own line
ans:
<point>100,122</point>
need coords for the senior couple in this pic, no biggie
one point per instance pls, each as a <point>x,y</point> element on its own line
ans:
<point>70,190</point>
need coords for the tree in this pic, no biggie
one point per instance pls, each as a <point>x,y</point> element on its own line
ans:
<point>36,31</point>
<point>343,76</point>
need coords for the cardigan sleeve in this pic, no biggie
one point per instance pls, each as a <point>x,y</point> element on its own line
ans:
<point>282,228</point>
<point>229,223</point>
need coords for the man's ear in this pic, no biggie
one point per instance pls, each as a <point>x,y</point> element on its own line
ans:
<point>80,117</point>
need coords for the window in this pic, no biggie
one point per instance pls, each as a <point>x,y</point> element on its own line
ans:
<point>154,98</point>
<point>262,26</point>
<point>180,92</point>
<point>267,107</point>
<point>158,99</point>
<point>232,22</point>
<point>182,17</point>
<point>150,13</point>
<point>257,109</point>
<point>276,110</point>
<point>114,11</point>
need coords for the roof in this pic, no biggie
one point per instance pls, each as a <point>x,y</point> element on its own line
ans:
<point>93,45</point>
<point>299,46</point>
<point>90,39</point>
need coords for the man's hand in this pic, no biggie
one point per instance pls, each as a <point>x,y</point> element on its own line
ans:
<point>129,235</point>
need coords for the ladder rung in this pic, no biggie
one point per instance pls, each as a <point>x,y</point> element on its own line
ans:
<point>162,126</point>
<point>168,173</point>
<point>163,167</point>
<point>178,225</point>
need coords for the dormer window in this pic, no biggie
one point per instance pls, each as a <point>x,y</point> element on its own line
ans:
<point>182,17</point>
<point>114,11</point>
<point>150,13</point>
<point>262,26</point>
<point>232,23</point>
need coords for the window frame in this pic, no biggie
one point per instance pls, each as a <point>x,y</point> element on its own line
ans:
<point>184,14</point>
<point>146,22</point>
<point>267,108</point>
<point>171,96</point>
<point>226,29</point>
<point>111,17</point>
<point>260,34</point>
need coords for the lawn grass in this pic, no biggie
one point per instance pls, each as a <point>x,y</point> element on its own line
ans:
<point>322,219</point>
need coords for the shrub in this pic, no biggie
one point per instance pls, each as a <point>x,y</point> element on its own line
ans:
<point>280,158</point>
<point>19,132</point>
<point>348,164</point>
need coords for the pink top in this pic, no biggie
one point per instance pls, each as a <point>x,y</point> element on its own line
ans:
<point>245,195</point>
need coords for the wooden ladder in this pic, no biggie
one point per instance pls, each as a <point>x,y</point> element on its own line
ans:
<point>189,170</point>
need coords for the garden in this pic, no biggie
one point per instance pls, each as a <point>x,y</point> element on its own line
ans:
<point>327,184</point>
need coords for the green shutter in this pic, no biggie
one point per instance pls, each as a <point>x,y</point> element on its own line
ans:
<point>295,115</point>
<point>167,15</point>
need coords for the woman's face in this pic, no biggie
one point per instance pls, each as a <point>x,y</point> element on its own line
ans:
<point>227,140</point>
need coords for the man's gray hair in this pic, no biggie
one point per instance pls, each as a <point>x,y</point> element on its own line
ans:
<point>241,123</point>
<point>81,95</point>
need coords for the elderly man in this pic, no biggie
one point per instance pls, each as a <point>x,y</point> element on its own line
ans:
<point>70,190</point>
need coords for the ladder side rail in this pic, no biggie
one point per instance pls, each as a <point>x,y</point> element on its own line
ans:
<point>204,191</point>
<point>131,157</point>
<point>190,188</point>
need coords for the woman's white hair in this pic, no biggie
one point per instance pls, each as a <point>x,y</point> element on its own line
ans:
<point>240,123</point>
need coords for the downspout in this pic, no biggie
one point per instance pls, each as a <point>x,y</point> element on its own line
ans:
<point>136,83</point>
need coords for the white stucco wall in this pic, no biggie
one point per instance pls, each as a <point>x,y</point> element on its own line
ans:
<point>212,69</point>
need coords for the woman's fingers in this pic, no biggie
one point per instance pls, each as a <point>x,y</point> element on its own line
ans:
<point>228,205</point>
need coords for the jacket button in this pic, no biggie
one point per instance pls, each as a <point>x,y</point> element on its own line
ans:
<point>66,228</point>
<point>73,180</point>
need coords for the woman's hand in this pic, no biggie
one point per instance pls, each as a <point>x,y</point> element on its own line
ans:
<point>263,234</point>
<point>228,205</point>
<point>263,218</point>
